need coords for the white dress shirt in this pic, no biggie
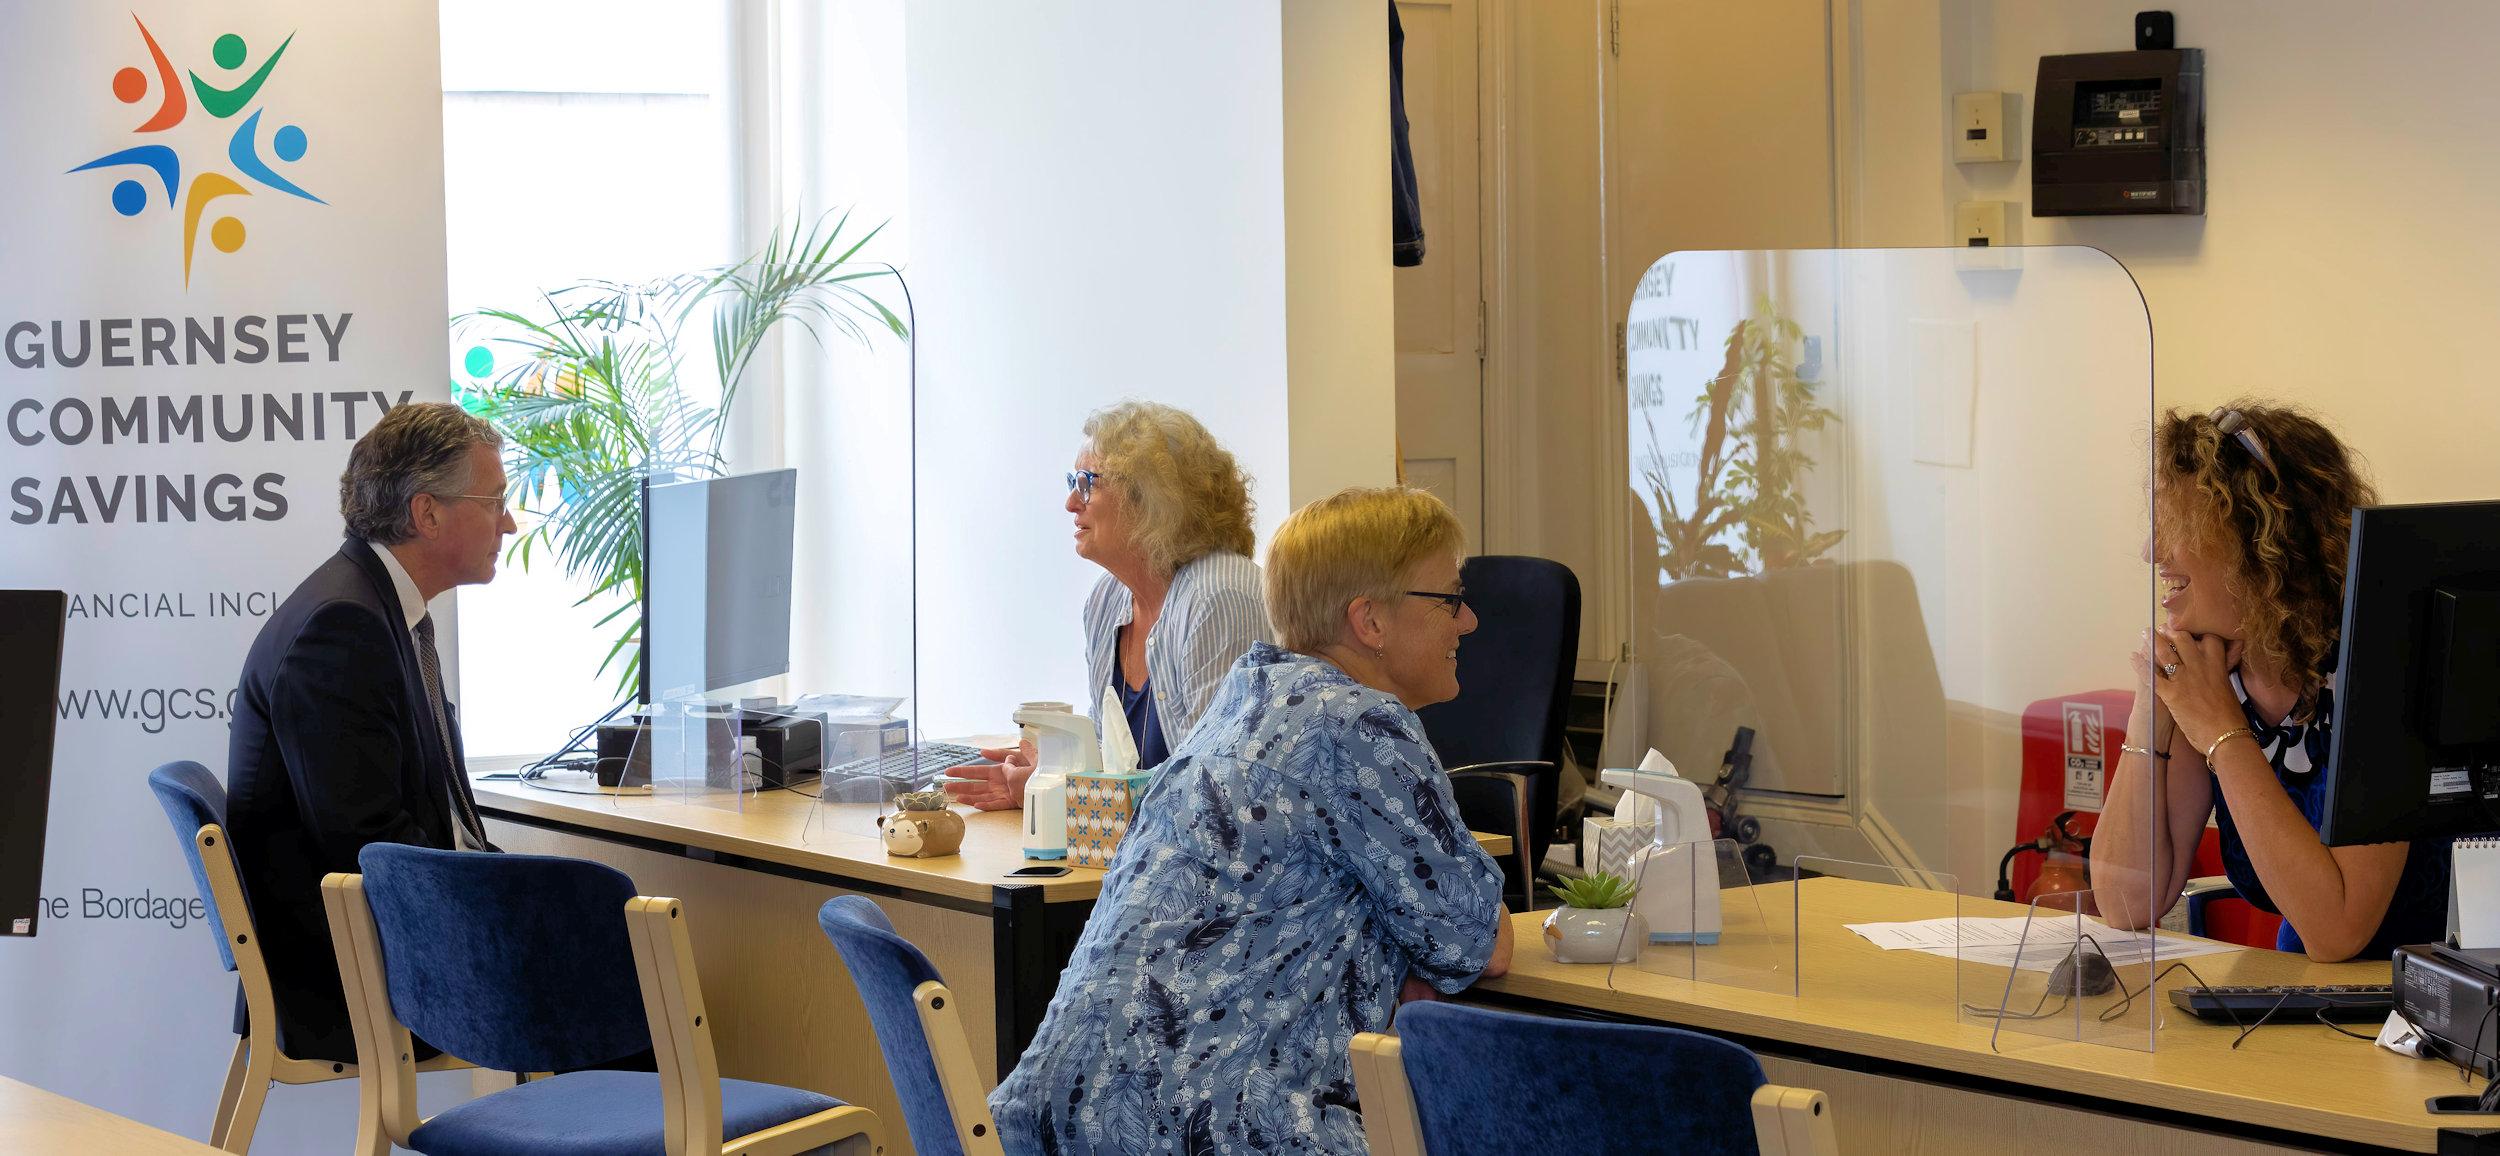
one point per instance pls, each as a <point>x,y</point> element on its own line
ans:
<point>411,601</point>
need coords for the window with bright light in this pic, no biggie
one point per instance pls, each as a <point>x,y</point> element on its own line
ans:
<point>581,141</point>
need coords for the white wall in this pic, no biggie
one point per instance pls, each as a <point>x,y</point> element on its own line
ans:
<point>1339,300</point>
<point>1096,212</point>
<point>2345,259</point>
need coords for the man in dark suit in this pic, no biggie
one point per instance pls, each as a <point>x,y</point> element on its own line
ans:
<point>341,733</point>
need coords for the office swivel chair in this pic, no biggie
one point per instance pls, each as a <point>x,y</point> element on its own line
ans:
<point>918,1028</point>
<point>1502,737</point>
<point>1459,1080</point>
<point>196,805</point>
<point>529,963</point>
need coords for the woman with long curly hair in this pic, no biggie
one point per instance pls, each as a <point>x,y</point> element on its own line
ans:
<point>2252,512</point>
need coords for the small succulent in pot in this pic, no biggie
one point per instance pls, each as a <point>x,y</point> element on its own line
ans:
<point>1595,924</point>
<point>1599,891</point>
<point>922,826</point>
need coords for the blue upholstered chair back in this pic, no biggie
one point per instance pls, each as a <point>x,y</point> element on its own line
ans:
<point>1497,1083</point>
<point>518,963</point>
<point>193,799</point>
<point>887,969</point>
<point>1514,674</point>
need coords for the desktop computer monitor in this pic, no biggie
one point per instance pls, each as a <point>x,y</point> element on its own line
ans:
<point>2417,690</point>
<point>716,581</point>
<point>31,624</point>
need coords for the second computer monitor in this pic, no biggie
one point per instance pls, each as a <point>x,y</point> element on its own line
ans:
<point>2417,696</point>
<point>717,582</point>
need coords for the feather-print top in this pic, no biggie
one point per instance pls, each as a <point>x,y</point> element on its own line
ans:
<point>1297,858</point>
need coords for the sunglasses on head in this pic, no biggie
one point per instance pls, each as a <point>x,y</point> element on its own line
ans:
<point>2233,424</point>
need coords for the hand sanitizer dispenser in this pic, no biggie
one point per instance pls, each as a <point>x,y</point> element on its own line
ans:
<point>1677,873</point>
<point>1064,744</point>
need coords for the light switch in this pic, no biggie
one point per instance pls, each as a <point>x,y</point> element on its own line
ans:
<point>1978,127</point>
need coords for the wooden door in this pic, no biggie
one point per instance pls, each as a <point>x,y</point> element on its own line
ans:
<point>1440,303</point>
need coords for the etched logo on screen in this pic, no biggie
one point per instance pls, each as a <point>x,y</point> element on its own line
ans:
<point>225,156</point>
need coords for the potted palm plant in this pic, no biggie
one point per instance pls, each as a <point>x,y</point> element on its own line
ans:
<point>1596,923</point>
<point>590,387</point>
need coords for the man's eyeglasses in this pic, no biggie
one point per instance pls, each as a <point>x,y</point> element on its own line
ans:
<point>1454,603</point>
<point>1082,482</point>
<point>2231,423</point>
<point>502,504</point>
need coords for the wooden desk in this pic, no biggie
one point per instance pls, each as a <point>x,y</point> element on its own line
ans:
<point>34,1120</point>
<point>783,1004</point>
<point>1877,1030</point>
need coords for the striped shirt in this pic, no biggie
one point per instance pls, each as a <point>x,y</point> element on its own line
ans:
<point>1214,610</point>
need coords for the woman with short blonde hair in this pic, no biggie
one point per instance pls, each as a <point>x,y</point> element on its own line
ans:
<point>1295,870</point>
<point>1165,510</point>
<point>1355,544</point>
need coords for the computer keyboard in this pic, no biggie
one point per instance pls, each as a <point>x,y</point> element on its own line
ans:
<point>906,766</point>
<point>2341,1003</point>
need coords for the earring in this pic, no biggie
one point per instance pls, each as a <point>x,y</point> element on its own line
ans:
<point>1380,654</point>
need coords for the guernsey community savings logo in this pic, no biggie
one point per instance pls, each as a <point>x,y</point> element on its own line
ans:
<point>238,83</point>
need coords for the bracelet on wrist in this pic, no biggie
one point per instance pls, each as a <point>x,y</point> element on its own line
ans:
<point>2147,752</point>
<point>2224,737</point>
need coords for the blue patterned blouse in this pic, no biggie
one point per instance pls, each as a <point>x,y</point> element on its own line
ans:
<point>1297,858</point>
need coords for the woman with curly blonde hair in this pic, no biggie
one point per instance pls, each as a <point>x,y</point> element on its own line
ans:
<point>2252,512</point>
<point>1165,511</point>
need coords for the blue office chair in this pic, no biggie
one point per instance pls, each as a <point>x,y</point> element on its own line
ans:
<point>1502,737</point>
<point>196,805</point>
<point>1466,1081</point>
<point>944,1105</point>
<point>528,963</point>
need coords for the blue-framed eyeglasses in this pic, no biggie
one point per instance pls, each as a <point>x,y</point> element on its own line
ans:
<point>1082,482</point>
<point>1454,603</point>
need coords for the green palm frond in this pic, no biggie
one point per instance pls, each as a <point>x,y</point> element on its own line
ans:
<point>591,395</point>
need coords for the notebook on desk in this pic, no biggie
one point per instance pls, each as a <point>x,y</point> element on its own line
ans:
<point>2474,893</point>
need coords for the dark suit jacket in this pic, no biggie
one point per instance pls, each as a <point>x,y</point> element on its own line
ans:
<point>331,749</point>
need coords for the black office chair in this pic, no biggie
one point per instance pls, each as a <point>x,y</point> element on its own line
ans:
<point>1502,737</point>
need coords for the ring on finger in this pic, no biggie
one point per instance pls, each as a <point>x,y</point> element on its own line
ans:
<point>2170,670</point>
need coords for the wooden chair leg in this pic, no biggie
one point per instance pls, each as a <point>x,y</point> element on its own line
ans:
<point>233,1089</point>
<point>247,1105</point>
<point>369,1138</point>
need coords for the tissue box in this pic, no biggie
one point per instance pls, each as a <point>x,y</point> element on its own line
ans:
<point>1100,807</point>
<point>1607,844</point>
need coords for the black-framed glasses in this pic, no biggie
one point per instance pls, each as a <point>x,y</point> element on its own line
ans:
<point>1454,603</point>
<point>1082,483</point>
<point>503,505</point>
<point>2233,424</point>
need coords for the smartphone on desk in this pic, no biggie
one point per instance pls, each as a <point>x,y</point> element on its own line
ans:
<point>1042,871</point>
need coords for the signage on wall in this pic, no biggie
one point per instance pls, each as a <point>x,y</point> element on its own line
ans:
<point>209,110</point>
<point>225,256</point>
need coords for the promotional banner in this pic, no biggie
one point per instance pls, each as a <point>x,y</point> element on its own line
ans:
<point>221,261</point>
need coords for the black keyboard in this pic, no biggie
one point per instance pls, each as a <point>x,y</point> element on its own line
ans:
<point>2341,1003</point>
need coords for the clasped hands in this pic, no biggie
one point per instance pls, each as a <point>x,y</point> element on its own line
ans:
<point>2191,677</point>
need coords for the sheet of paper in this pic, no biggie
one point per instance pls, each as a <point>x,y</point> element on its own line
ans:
<point>2034,944</point>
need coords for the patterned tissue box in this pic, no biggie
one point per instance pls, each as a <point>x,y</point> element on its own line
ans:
<point>1100,807</point>
<point>1607,844</point>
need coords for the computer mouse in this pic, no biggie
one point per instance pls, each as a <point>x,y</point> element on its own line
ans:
<point>2089,969</point>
